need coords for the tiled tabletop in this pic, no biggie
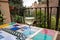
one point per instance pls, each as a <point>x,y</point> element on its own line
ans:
<point>6,36</point>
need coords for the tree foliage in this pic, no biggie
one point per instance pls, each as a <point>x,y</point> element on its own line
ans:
<point>18,19</point>
<point>18,10</point>
<point>42,18</point>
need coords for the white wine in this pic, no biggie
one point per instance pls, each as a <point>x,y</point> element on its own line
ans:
<point>29,20</point>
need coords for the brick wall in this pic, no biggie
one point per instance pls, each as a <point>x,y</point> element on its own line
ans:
<point>5,11</point>
<point>52,3</point>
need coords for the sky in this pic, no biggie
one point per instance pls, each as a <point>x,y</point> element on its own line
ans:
<point>28,3</point>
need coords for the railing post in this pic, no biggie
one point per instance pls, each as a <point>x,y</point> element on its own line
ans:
<point>36,15</point>
<point>48,18</point>
<point>50,15</point>
<point>40,18</point>
<point>57,15</point>
<point>45,16</point>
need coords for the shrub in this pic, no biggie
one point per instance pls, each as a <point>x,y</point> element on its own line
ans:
<point>41,17</point>
<point>1,20</point>
<point>18,19</point>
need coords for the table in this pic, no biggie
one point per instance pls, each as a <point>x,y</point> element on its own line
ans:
<point>50,34</point>
<point>7,36</point>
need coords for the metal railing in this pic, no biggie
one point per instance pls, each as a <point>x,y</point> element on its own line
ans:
<point>46,17</point>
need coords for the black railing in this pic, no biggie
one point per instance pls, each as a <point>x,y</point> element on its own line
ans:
<point>46,17</point>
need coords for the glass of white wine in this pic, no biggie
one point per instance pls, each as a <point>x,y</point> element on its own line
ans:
<point>29,17</point>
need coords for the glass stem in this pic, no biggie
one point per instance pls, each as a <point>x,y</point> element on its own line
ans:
<point>29,26</point>
<point>30,29</point>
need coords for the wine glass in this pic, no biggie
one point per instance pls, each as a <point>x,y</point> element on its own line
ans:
<point>29,17</point>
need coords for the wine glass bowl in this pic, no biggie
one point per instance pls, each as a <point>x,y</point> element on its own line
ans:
<point>29,20</point>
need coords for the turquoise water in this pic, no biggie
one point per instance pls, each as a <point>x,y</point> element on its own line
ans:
<point>41,36</point>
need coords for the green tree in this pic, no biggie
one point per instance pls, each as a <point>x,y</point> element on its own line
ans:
<point>16,6</point>
<point>17,9</point>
